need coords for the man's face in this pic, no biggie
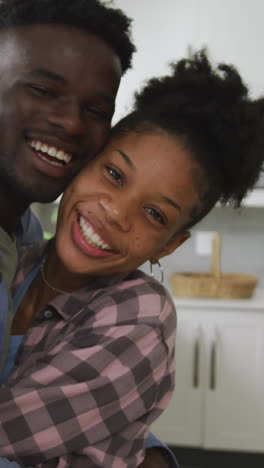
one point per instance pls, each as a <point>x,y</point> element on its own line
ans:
<point>57,93</point>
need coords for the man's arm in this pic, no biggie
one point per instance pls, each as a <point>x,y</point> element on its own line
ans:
<point>4,463</point>
<point>158,455</point>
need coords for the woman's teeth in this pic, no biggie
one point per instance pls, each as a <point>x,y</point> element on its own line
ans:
<point>51,151</point>
<point>92,237</point>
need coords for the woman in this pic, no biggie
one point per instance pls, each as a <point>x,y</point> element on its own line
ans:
<point>103,332</point>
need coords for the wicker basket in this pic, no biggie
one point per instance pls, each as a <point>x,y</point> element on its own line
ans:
<point>215,284</point>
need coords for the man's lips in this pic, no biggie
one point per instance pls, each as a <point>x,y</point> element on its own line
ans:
<point>50,153</point>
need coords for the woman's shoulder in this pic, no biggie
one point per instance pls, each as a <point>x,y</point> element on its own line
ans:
<point>143,284</point>
<point>138,297</point>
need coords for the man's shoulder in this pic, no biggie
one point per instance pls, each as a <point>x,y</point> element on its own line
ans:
<point>29,229</point>
<point>28,258</point>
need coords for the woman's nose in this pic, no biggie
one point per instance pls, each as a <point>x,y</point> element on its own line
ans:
<point>116,212</point>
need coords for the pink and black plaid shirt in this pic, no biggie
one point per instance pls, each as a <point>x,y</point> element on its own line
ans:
<point>94,371</point>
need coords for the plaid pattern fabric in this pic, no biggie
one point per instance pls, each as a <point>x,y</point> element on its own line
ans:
<point>94,371</point>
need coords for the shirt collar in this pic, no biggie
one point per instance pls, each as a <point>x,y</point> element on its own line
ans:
<point>65,304</point>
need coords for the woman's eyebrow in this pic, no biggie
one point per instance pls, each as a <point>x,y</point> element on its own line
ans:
<point>127,159</point>
<point>171,202</point>
<point>129,163</point>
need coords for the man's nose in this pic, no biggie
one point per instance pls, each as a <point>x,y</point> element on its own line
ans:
<point>116,212</point>
<point>67,116</point>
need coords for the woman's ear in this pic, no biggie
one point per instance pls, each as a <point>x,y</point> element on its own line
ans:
<point>172,245</point>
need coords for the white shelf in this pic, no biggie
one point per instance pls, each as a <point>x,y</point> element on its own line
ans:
<point>255,199</point>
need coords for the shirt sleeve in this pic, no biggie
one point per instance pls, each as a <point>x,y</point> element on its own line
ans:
<point>153,442</point>
<point>96,391</point>
<point>8,263</point>
<point>29,230</point>
<point>5,321</point>
<point>4,463</point>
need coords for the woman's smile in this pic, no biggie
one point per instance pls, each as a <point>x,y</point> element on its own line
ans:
<point>88,240</point>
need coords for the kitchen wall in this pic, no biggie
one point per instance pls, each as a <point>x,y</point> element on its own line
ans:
<point>233,32</point>
<point>163,31</point>
<point>242,244</point>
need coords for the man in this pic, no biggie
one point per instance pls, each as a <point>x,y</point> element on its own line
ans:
<point>61,65</point>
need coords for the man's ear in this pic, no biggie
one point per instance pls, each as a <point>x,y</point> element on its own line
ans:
<point>172,245</point>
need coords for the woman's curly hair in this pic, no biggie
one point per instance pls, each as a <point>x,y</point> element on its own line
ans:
<point>211,111</point>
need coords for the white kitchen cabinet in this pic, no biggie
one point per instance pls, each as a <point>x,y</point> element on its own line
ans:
<point>218,401</point>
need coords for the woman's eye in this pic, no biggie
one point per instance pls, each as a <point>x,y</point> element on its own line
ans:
<point>115,175</point>
<point>155,214</point>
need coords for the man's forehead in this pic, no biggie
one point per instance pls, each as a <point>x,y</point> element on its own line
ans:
<point>46,39</point>
<point>12,50</point>
<point>60,48</point>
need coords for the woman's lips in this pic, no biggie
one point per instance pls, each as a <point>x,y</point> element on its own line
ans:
<point>87,240</point>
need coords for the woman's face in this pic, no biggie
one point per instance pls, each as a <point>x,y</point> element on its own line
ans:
<point>125,207</point>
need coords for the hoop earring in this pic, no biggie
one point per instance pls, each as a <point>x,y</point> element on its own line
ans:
<point>160,269</point>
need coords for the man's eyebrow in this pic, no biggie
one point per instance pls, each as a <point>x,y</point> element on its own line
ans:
<point>171,202</point>
<point>127,159</point>
<point>44,73</point>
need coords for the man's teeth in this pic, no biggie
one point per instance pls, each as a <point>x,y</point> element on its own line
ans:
<point>50,151</point>
<point>92,237</point>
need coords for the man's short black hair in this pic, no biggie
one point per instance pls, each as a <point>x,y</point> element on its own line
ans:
<point>93,16</point>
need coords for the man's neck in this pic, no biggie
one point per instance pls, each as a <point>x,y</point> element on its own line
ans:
<point>11,210</point>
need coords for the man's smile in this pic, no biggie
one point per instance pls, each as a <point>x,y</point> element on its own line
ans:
<point>50,153</point>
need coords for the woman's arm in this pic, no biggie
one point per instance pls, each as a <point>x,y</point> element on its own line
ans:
<point>100,390</point>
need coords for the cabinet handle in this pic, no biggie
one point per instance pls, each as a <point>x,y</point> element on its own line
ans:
<point>196,362</point>
<point>213,367</point>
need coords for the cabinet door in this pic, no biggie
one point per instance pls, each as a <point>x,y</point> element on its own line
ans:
<point>234,405</point>
<point>180,424</point>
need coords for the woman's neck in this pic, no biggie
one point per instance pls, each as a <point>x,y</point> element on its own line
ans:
<point>57,278</point>
<point>51,280</point>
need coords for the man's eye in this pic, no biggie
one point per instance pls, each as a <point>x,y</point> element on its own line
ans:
<point>155,214</point>
<point>42,91</point>
<point>115,175</point>
<point>98,112</point>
